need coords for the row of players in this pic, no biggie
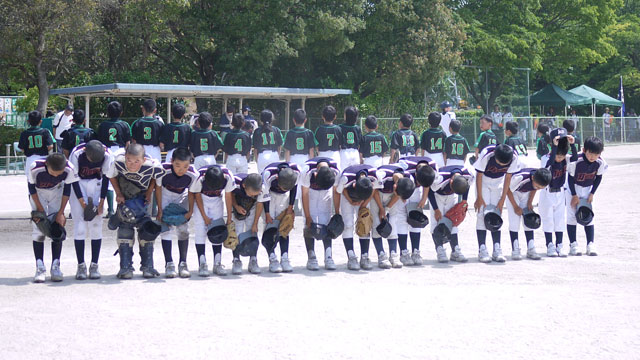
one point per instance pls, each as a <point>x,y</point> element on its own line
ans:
<point>362,198</point>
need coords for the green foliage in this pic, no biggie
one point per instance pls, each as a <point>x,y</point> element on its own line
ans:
<point>8,135</point>
<point>30,101</point>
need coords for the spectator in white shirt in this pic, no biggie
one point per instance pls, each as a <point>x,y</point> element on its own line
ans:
<point>61,123</point>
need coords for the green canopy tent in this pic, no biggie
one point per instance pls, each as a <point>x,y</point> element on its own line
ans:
<point>553,95</point>
<point>596,98</point>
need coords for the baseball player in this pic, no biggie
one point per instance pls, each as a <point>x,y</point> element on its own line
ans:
<point>351,138</point>
<point>237,146</point>
<point>35,142</point>
<point>433,139</point>
<point>512,139</point>
<point>241,204</point>
<point>77,134</point>
<point>133,176</point>
<point>267,141</point>
<point>173,188</point>
<point>404,142</point>
<point>585,175</point>
<point>494,169</point>
<point>176,133</point>
<point>352,194</point>
<point>204,142</point>
<point>552,199</point>
<point>446,117</point>
<point>316,183</point>
<point>394,186</point>
<point>486,137</point>
<point>208,188</point>
<point>114,134</point>
<point>374,145</point>
<point>91,162</point>
<point>278,196</point>
<point>522,189</point>
<point>299,142</point>
<point>329,136</point>
<point>50,182</point>
<point>497,125</point>
<point>456,147</point>
<point>146,130</point>
<point>570,126</point>
<point>424,172</point>
<point>543,143</point>
<point>453,181</point>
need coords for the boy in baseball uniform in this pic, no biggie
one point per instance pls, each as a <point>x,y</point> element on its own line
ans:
<point>374,145</point>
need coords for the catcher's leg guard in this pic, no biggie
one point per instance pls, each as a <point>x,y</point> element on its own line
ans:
<point>126,254</point>
<point>146,252</point>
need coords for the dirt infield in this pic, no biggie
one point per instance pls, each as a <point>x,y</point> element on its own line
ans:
<point>570,308</point>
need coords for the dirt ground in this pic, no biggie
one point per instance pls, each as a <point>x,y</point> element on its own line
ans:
<point>571,308</point>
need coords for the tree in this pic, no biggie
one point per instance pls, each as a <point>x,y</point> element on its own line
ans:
<point>37,39</point>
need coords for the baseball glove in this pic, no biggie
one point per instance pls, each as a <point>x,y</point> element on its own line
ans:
<point>364,223</point>
<point>43,223</point>
<point>286,223</point>
<point>173,214</point>
<point>245,203</point>
<point>232,239</point>
<point>457,213</point>
<point>90,211</point>
<point>128,189</point>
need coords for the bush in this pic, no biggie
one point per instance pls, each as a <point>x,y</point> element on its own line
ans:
<point>8,135</point>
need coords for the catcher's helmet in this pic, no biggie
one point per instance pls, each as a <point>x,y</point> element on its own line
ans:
<point>442,231</point>
<point>316,231</point>
<point>384,228</point>
<point>492,219</point>
<point>445,104</point>
<point>531,219</point>
<point>287,178</point>
<point>416,217</point>
<point>584,213</point>
<point>335,227</point>
<point>58,232</point>
<point>217,232</point>
<point>149,229</point>
<point>247,244</point>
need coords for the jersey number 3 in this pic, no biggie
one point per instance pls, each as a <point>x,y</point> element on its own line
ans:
<point>147,133</point>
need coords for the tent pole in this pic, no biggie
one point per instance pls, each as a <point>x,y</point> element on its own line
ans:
<point>168,120</point>
<point>287,113</point>
<point>87,100</point>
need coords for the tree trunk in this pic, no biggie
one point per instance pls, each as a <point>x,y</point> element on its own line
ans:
<point>41,73</point>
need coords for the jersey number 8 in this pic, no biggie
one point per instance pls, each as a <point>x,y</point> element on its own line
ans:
<point>300,144</point>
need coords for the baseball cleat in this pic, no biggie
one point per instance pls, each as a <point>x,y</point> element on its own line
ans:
<point>405,258</point>
<point>312,263</point>
<point>219,269</point>
<point>591,250</point>
<point>41,272</point>
<point>203,269</point>
<point>561,251</point>
<point>94,274</point>
<point>573,249</point>
<point>441,254</point>
<point>383,261</point>
<point>456,255</point>
<point>483,254</point>
<point>81,273</point>
<point>516,254</point>
<point>395,260</point>
<point>286,265</point>
<point>236,267</point>
<point>170,270</point>
<point>56,274</point>
<point>274,264</point>
<point>551,250</point>
<point>183,270</point>
<point>497,254</point>
<point>532,254</point>
<point>329,264</point>
<point>416,258</point>
<point>352,263</point>
<point>365,263</point>
<point>253,266</point>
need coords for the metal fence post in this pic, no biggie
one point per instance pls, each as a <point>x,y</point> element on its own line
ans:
<point>6,163</point>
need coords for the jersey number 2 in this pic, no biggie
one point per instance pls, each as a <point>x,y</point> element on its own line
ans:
<point>113,132</point>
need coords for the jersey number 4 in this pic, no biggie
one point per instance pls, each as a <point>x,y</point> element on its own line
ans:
<point>238,145</point>
<point>35,141</point>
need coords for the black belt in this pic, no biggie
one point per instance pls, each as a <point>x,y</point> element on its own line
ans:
<point>554,190</point>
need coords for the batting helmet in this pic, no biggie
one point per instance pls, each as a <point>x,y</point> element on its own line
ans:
<point>58,232</point>
<point>531,219</point>
<point>247,244</point>
<point>149,229</point>
<point>384,228</point>
<point>270,235</point>
<point>584,213</point>
<point>492,219</point>
<point>335,227</point>
<point>442,231</point>
<point>416,217</point>
<point>316,231</point>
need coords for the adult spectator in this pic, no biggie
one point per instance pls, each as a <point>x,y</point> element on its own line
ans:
<point>61,123</point>
<point>250,123</point>
<point>607,120</point>
<point>447,116</point>
<point>225,119</point>
<point>496,115</point>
